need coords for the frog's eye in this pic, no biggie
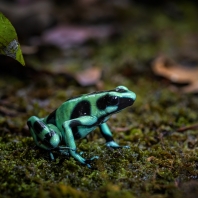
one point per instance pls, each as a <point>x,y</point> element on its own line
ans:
<point>113,100</point>
<point>106,101</point>
<point>121,89</point>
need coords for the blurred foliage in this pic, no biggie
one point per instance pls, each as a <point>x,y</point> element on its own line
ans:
<point>9,45</point>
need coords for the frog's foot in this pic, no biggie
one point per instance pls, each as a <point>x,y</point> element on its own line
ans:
<point>64,150</point>
<point>127,147</point>
<point>115,145</point>
<point>51,156</point>
<point>88,161</point>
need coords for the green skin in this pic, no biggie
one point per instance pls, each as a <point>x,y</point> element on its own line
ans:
<point>76,118</point>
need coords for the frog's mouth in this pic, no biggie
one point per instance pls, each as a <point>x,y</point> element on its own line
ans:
<point>125,102</point>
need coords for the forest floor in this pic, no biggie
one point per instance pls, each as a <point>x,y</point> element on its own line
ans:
<point>160,128</point>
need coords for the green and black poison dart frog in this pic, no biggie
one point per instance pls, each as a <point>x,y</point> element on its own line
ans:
<point>76,118</point>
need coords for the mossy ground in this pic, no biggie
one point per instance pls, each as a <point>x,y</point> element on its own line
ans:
<point>160,162</point>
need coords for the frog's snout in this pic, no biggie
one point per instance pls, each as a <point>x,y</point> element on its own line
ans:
<point>125,102</point>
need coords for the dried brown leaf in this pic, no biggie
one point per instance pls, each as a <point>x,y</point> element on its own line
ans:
<point>176,73</point>
<point>89,76</point>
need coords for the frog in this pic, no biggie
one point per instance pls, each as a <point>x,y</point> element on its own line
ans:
<point>77,117</point>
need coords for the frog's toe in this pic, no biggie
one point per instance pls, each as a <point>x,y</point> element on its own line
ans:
<point>112,144</point>
<point>63,152</point>
<point>88,165</point>
<point>127,147</point>
<point>51,156</point>
<point>88,161</point>
<point>91,159</point>
<point>94,157</point>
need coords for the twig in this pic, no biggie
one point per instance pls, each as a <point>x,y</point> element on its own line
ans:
<point>119,129</point>
<point>182,129</point>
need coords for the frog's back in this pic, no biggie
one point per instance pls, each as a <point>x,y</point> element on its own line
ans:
<point>70,109</point>
<point>98,104</point>
<point>74,108</point>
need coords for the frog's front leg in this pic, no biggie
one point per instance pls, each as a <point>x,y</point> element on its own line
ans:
<point>71,129</point>
<point>109,137</point>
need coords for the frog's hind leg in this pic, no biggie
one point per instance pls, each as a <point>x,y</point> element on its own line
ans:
<point>46,136</point>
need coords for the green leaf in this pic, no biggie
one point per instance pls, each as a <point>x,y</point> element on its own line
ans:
<point>9,44</point>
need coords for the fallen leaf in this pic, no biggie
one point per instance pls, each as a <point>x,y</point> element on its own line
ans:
<point>177,73</point>
<point>89,76</point>
<point>9,45</point>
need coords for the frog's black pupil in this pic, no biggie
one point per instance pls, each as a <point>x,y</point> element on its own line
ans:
<point>113,100</point>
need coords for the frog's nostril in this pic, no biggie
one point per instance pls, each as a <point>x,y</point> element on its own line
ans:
<point>132,100</point>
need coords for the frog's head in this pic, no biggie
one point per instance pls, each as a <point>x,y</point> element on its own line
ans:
<point>115,100</point>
